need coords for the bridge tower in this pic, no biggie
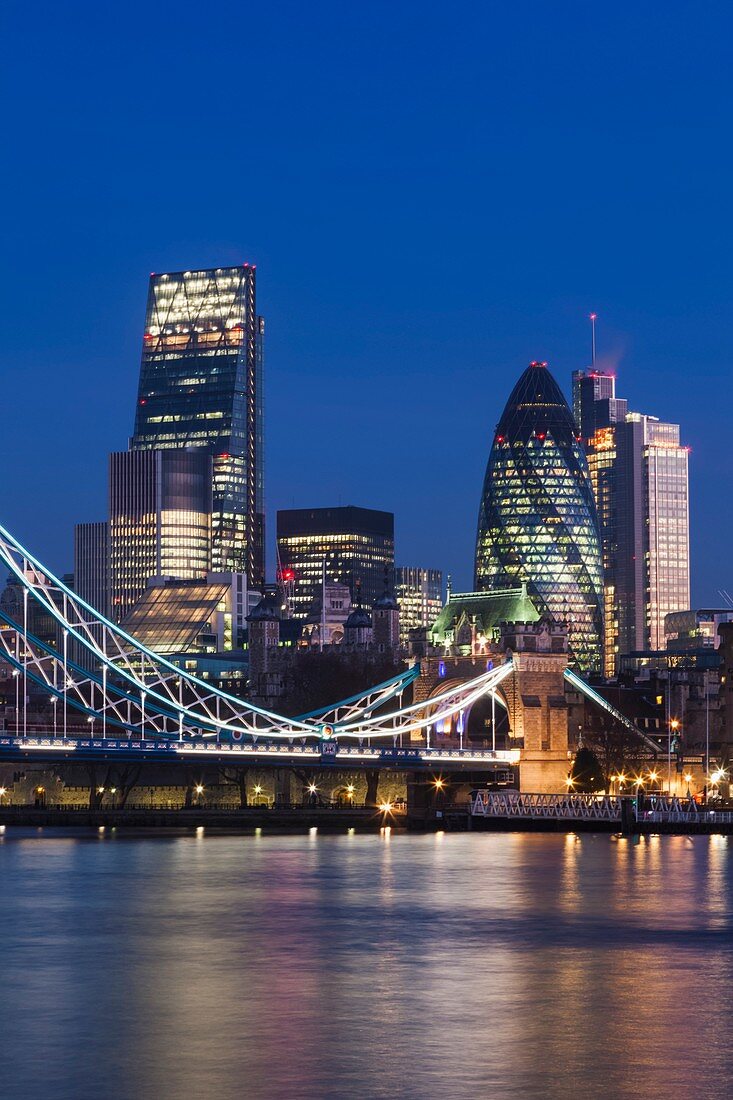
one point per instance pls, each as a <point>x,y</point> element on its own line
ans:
<point>538,711</point>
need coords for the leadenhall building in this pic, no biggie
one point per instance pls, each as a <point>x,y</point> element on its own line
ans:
<point>537,524</point>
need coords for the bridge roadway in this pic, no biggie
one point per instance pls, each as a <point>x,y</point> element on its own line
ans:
<point>47,748</point>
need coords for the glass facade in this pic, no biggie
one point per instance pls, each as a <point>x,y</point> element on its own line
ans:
<point>639,476</point>
<point>537,518</point>
<point>668,525</point>
<point>419,593</point>
<point>201,387</point>
<point>184,617</point>
<point>355,544</point>
<point>159,521</point>
<point>602,452</point>
<point>91,564</point>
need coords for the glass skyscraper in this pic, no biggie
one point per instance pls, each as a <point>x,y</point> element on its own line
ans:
<point>159,521</point>
<point>419,593</point>
<point>201,387</point>
<point>668,524</point>
<point>639,475</point>
<point>537,518</point>
<point>346,545</point>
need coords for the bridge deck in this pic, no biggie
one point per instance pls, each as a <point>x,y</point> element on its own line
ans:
<point>49,748</point>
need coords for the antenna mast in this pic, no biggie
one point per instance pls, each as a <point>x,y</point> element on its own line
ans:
<point>593,319</point>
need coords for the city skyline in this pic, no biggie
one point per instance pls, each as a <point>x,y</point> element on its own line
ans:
<point>366,692</point>
<point>461,573</point>
<point>384,268</point>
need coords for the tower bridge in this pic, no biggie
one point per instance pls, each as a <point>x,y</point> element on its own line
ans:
<point>113,699</point>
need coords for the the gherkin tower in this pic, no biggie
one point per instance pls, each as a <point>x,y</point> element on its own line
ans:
<point>537,521</point>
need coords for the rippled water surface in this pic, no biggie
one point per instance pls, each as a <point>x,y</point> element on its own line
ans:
<point>475,965</point>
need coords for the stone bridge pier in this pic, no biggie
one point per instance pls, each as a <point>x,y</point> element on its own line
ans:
<point>536,703</point>
<point>534,696</point>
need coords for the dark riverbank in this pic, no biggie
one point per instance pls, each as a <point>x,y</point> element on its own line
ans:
<point>300,819</point>
<point>289,819</point>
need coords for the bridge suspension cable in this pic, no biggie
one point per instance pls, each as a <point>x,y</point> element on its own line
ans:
<point>595,697</point>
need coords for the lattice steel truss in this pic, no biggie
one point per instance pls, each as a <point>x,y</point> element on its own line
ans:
<point>120,684</point>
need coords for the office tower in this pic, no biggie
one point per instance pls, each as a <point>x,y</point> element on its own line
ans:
<point>91,564</point>
<point>665,480</point>
<point>160,506</point>
<point>594,401</point>
<point>600,412</point>
<point>640,483</point>
<point>419,593</point>
<point>348,545</point>
<point>537,518</point>
<point>201,387</point>
<point>29,614</point>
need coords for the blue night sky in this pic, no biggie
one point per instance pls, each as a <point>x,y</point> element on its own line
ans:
<point>433,197</point>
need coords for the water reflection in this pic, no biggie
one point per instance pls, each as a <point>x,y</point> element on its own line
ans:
<point>372,966</point>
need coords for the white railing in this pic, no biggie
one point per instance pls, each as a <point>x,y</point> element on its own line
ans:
<point>659,809</point>
<point>557,807</point>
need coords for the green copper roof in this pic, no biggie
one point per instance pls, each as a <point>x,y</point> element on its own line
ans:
<point>488,609</point>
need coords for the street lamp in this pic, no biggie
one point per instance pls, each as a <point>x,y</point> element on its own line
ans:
<point>718,776</point>
<point>672,728</point>
<point>3,792</point>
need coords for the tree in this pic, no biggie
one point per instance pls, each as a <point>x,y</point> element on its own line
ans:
<point>372,781</point>
<point>236,777</point>
<point>122,778</point>
<point>618,750</point>
<point>317,679</point>
<point>587,774</point>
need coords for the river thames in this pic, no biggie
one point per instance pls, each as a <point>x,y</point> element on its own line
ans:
<point>389,965</point>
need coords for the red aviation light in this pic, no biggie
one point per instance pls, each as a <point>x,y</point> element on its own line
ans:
<point>143,401</point>
<point>500,439</point>
<point>540,435</point>
<point>224,456</point>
